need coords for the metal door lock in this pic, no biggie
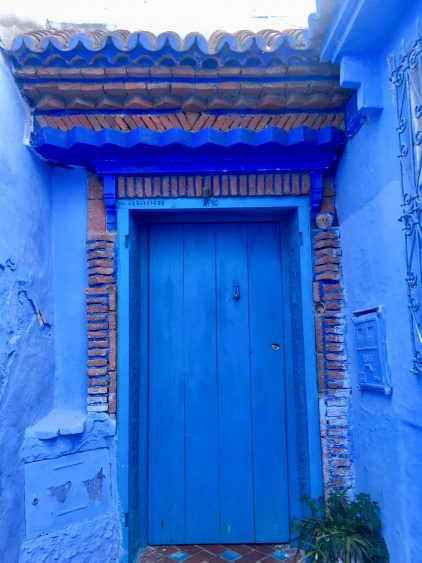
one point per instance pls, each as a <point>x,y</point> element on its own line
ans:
<point>275,347</point>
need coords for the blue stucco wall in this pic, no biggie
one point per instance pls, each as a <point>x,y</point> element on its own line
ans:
<point>70,205</point>
<point>43,352</point>
<point>26,305</point>
<point>387,431</point>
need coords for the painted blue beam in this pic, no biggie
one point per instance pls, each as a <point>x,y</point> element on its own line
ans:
<point>237,150</point>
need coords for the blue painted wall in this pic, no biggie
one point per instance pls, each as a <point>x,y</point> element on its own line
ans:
<point>387,431</point>
<point>26,305</point>
<point>43,350</point>
<point>70,204</point>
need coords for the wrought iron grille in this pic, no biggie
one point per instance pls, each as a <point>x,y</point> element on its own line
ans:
<point>407,81</point>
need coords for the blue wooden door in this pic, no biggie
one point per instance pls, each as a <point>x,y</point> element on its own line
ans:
<point>217,467</point>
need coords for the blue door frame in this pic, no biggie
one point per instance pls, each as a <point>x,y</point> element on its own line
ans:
<point>299,332</point>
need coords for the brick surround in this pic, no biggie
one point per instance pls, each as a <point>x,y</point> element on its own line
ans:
<point>333,385</point>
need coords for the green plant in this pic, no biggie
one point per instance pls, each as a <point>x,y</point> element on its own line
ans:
<point>341,530</point>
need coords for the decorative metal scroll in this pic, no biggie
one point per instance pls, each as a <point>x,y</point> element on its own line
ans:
<point>407,81</point>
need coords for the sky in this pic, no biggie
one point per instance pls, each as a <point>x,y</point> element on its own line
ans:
<point>157,16</point>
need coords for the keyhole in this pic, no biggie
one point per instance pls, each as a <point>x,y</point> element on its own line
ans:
<point>236,292</point>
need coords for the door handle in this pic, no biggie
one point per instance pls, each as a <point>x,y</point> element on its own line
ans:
<point>236,292</point>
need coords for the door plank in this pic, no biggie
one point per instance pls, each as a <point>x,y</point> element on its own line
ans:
<point>234,401</point>
<point>166,387</point>
<point>268,397</point>
<point>201,408</point>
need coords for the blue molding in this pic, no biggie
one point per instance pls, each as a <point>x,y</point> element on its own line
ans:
<point>238,150</point>
<point>316,193</point>
<point>353,118</point>
<point>110,202</point>
<point>327,136</point>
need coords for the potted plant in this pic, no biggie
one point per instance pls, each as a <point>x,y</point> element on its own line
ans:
<point>340,530</point>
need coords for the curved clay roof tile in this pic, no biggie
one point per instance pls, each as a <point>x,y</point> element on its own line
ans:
<point>123,40</point>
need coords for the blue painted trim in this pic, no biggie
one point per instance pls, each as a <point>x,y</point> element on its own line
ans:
<point>305,136</point>
<point>123,376</point>
<point>306,279</point>
<point>354,118</point>
<point>232,203</point>
<point>316,192</point>
<point>110,202</point>
<point>178,151</point>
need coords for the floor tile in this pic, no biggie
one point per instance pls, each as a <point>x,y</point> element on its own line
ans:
<point>214,549</point>
<point>251,557</point>
<point>201,557</point>
<point>166,549</point>
<point>281,555</point>
<point>179,555</point>
<point>192,549</point>
<point>240,548</point>
<point>230,555</point>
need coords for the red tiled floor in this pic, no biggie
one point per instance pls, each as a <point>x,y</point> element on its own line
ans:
<point>250,553</point>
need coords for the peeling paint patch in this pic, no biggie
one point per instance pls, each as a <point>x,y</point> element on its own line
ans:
<point>94,486</point>
<point>60,491</point>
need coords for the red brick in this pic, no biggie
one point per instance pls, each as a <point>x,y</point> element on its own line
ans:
<point>112,393</point>
<point>336,306</point>
<point>333,287</point>
<point>96,317</point>
<point>100,262</point>
<point>190,186</point>
<point>105,238</point>
<point>148,186</point>
<point>173,186</point>
<point>268,184</point>
<point>97,326</point>
<point>316,292</point>
<point>224,185</point>
<point>207,190</point>
<point>332,276</point>
<point>96,216</point>
<point>98,280</point>
<point>198,186</point>
<point>112,298</point>
<point>121,186</point>
<point>261,185</point>
<point>96,371</point>
<point>243,184</point>
<point>93,300</point>
<point>98,362</point>
<point>318,335</point>
<point>98,344</point>
<point>166,186</point>
<point>95,187</point>
<point>112,321</point>
<point>334,347</point>
<point>156,186</point>
<point>327,268</point>
<point>112,357</point>
<point>323,235</point>
<point>233,184</point>
<point>306,184</point>
<point>100,271</point>
<point>327,260</point>
<point>94,352</point>
<point>94,381</point>
<point>97,309</point>
<point>182,186</point>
